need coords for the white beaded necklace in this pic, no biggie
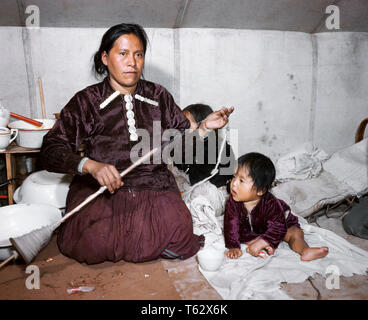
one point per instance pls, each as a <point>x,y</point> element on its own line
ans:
<point>130,115</point>
<point>129,107</point>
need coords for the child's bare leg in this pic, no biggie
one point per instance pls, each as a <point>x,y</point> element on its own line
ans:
<point>295,238</point>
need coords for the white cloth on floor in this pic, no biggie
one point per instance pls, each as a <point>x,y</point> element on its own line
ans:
<point>206,202</point>
<point>303,163</point>
<point>344,174</point>
<point>256,278</point>
<point>308,196</point>
<point>350,166</point>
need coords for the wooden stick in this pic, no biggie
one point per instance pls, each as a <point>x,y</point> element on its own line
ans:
<point>102,189</point>
<point>26,119</point>
<point>7,260</point>
<point>10,174</point>
<point>42,98</point>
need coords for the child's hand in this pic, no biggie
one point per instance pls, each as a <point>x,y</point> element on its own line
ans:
<point>233,253</point>
<point>255,246</point>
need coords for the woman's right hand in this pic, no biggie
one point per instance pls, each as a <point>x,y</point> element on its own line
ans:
<point>217,119</point>
<point>106,174</point>
<point>233,253</point>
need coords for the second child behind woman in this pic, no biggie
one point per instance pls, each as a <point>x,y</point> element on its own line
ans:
<point>200,169</point>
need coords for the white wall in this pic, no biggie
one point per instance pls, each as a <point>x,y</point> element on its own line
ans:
<point>13,80</point>
<point>265,75</point>
<point>287,87</point>
<point>342,95</point>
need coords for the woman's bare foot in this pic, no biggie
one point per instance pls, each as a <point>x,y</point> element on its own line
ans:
<point>310,254</point>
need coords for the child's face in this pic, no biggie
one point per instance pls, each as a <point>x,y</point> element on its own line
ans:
<point>242,186</point>
<point>193,123</point>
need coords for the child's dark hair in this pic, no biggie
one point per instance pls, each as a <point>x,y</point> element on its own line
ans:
<point>199,111</point>
<point>109,38</point>
<point>260,168</point>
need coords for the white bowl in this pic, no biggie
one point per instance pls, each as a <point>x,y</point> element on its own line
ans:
<point>210,259</point>
<point>19,219</point>
<point>30,136</point>
<point>44,187</point>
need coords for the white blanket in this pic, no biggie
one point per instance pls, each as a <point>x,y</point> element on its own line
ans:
<point>302,163</point>
<point>206,202</point>
<point>256,278</point>
<point>308,196</point>
<point>344,174</point>
<point>350,166</point>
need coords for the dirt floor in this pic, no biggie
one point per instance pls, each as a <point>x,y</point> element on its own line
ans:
<point>156,280</point>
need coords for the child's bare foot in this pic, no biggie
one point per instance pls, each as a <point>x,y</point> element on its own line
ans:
<point>310,254</point>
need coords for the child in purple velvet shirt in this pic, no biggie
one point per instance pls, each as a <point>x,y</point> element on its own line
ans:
<point>256,217</point>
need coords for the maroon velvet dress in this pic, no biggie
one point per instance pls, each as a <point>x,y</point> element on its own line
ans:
<point>269,220</point>
<point>144,219</point>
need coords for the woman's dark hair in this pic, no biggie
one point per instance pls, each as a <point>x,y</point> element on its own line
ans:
<point>109,38</point>
<point>199,111</point>
<point>260,168</point>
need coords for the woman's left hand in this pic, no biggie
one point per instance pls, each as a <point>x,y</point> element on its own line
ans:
<point>218,119</point>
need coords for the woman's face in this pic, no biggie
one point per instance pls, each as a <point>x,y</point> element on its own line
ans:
<point>193,123</point>
<point>125,62</point>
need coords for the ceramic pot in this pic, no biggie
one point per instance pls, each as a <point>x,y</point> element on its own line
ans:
<point>210,259</point>
<point>30,136</point>
<point>4,116</point>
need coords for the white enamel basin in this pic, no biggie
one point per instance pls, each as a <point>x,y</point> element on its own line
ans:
<point>44,187</point>
<point>30,136</point>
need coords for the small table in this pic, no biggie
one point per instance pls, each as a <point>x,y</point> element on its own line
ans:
<point>11,150</point>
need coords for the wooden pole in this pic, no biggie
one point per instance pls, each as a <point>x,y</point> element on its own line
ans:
<point>10,174</point>
<point>7,260</point>
<point>42,98</point>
